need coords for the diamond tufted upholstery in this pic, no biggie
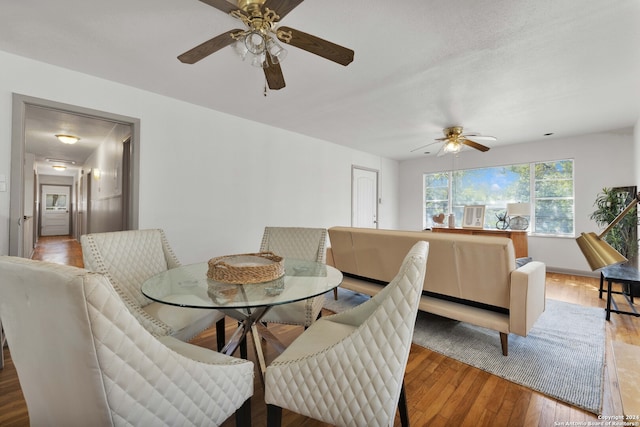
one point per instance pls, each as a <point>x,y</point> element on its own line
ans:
<point>302,243</point>
<point>127,259</point>
<point>83,360</point>
<point>348,369</point>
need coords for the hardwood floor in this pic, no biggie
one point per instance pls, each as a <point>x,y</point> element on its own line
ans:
<point>440,391</point>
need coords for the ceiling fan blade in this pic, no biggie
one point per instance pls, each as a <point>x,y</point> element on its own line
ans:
<point>222,5</point>
<point>281,7</point>
<point>315,45</point>
<point>273,74</point>
<point>474,144</point>
<point>423,146</point>
<point>207,48</point>
<point>482,137</point>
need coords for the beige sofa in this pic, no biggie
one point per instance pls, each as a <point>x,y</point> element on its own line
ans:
<point>472,279</point>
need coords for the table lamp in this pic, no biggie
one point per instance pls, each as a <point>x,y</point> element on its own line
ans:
<point>599,253</point>
<point>517,213</point>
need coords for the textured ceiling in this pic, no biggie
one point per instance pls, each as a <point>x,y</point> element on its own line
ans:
<point>513,69</point>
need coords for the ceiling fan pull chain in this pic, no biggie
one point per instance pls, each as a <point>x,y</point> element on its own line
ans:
<point>265,87</point>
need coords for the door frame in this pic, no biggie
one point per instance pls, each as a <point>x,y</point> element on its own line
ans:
<point>18,144</point>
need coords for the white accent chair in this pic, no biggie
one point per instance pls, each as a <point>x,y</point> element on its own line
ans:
<point>128,258</point>
<point>309,244</point>
<point>83,359</point>
<point>348,369</point>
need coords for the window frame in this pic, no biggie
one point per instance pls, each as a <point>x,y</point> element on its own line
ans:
<point>533,198</point>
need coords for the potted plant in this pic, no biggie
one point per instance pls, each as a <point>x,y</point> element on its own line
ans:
<point>624,236</point>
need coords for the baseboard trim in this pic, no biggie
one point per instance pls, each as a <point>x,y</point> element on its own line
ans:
<point>573,272</point>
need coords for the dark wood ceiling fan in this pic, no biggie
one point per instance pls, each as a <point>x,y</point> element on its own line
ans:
<point>261,19</point>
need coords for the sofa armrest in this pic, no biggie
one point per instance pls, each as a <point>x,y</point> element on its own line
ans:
<point>527,297</point>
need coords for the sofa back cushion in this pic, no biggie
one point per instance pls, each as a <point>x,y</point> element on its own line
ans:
<point>475,268</point>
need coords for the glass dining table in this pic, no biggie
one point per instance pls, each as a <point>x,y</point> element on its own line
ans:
<point>188,286</point>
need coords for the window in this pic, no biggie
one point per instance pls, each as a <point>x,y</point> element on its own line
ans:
<point>548,186</point>
<point>56,202</point>
<point>553,198</point>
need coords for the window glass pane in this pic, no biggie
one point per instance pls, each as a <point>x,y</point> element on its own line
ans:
<point>551,194</point>
<point>436,196</point>
<point>554,216</point>
<point>493,187</point>
<point>55,202</point>
<point>553,191</point>
<point>554,179</point>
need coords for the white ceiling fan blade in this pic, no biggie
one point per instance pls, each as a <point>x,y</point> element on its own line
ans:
<point>422,147</point>
<point>480,137</point>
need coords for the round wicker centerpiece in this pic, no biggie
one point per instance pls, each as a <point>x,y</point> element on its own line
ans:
<point>246,268</point>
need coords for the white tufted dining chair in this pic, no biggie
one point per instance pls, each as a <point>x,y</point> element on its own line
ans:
<point>83,359</point>
<point>308,244</point>
<point>348,369</point>
<point>127,259</point>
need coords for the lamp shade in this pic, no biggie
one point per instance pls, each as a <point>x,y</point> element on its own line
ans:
<point>519,209</point>
<point>597,252</point>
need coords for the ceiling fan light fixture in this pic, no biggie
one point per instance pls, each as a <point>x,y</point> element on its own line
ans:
<point>255,42</point>
<point>67,139</point>
<point>260,36</point>
<point>452,147</point>
<point>276,51</point>
<point>258,60</point>
<point>241,49</point>
<point>256,45</point>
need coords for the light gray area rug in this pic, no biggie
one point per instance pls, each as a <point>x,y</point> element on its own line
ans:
<point>562,357</point>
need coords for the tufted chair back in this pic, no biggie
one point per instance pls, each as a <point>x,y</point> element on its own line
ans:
<point>127,259</point>
<point>301,243</point>
<point>348,369</point>
<point>82,359</point>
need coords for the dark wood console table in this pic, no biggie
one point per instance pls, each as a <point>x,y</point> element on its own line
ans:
<point>519,237</point>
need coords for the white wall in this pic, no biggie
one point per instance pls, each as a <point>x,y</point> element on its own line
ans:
<point>105,211</point>
<point>211,180</point>
<point>600,160</point>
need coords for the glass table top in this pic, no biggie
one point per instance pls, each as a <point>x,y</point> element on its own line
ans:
<point>188,286</point>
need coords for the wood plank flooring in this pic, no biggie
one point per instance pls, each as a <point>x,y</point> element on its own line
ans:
<point>440,391</point>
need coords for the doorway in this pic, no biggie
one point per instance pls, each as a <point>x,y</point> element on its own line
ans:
<point>56,201</point>
<point>22,137</point>
<point>364,197</point>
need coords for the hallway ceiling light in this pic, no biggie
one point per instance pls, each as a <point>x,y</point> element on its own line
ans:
<point>70,162</point>
<point>67,139</point>
<point>59,167</point>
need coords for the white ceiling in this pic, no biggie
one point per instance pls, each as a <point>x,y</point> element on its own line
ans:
<point>513,69</point>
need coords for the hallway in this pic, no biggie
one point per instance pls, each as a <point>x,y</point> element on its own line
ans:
<point>59,249</point>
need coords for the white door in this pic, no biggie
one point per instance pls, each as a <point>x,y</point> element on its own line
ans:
<point>55,210</point>
<point>364,194</point>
